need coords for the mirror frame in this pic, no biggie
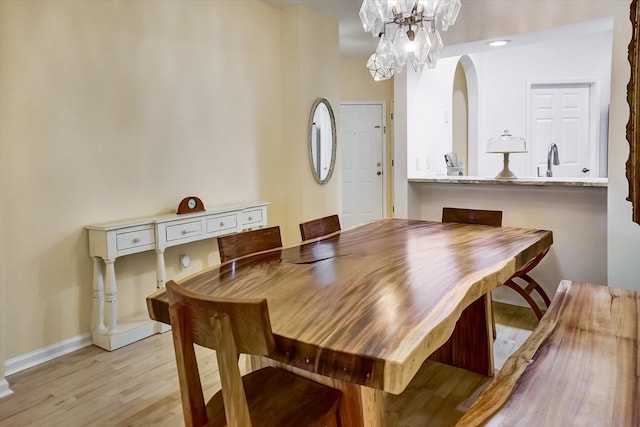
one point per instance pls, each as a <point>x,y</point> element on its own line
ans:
<point>633,125</point>
<point>316,174</point>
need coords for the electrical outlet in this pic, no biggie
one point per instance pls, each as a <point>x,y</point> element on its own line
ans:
<point>185,260</point>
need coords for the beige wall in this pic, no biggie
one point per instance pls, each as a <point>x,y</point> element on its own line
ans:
<point>623,236</point>
<point>493,18</point>
<point>3,384</point>
<point>574,255</point>
<point>623,239</point>
<point>356,85</point>
<point>311,70</point>
<point>116,109</point>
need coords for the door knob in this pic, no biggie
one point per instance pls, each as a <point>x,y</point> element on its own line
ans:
<point>378,173</point>
<point>585,170</point>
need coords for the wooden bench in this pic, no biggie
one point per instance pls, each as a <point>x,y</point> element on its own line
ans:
<point>579,367</point>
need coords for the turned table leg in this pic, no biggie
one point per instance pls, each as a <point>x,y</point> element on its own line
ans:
<point>161,274</point>
<point>111,298</point>
<point>97,316</point>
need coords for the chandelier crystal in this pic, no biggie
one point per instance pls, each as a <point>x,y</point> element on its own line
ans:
<point>409,31</point>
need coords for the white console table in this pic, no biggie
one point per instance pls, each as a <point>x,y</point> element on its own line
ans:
<point>108,241</point>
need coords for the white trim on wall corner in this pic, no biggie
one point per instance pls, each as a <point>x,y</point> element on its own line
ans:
<point>45,354</point>
<point>4,388</point>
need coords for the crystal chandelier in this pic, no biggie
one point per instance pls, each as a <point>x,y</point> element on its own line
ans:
<point>409,30</point>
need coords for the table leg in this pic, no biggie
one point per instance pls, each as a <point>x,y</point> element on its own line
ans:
<point>161,274</point>
<point>111,299</point>
<point>97,316</point>
<point>471,344</point>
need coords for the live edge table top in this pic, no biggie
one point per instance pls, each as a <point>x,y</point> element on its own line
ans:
<point>368,305</point>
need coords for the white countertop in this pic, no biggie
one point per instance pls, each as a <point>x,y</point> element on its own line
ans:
<point>536,181</point>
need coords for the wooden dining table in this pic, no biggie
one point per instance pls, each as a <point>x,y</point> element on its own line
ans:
<point>364,308</point>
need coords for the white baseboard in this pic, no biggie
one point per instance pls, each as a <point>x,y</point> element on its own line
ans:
<point>45,354</point>
<point>4,388</point>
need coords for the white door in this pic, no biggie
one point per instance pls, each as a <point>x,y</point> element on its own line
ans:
<point>560,114</point>
<point>362,142</point>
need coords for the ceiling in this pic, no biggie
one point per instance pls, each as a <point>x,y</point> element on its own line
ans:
<point>355,42</point>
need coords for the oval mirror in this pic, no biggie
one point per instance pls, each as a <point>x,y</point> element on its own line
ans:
<point>322,140</point>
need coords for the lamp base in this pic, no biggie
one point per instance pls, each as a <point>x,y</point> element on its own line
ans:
<point>506,173</point>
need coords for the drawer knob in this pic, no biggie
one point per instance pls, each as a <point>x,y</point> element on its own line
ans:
<point>135,240</point>
<point>221,224</point>
<point>250,218</point>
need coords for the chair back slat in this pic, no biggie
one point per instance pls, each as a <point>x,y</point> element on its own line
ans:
<point>472,216</point>
<point>236,407</point>
<point>319,227</point>
<point>237,245</point>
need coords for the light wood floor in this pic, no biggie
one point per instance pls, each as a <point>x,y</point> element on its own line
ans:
<point>137,385</point>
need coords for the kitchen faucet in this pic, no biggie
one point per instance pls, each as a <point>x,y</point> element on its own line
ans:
<point>552,155</point>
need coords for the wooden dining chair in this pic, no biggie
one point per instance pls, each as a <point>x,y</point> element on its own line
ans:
<point>472,216</point>
<point>266,397</point>
<point>319,227</point>
<point>237,245</point>
<point>526,284</point>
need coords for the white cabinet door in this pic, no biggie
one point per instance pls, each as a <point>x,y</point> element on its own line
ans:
<point>560,114</point>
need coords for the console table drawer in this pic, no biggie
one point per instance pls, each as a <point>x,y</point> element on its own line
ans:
<point>222,223</point>
<point>253,216</point>
<point>135,238</point>
<point>184,231</point>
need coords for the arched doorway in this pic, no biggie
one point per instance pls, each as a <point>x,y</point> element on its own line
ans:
<point>465,114</point>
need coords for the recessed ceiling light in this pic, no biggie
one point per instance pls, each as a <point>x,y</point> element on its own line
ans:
<point>498,43</point>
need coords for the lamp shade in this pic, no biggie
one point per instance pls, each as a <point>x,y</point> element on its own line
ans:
<point>506,143</point>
